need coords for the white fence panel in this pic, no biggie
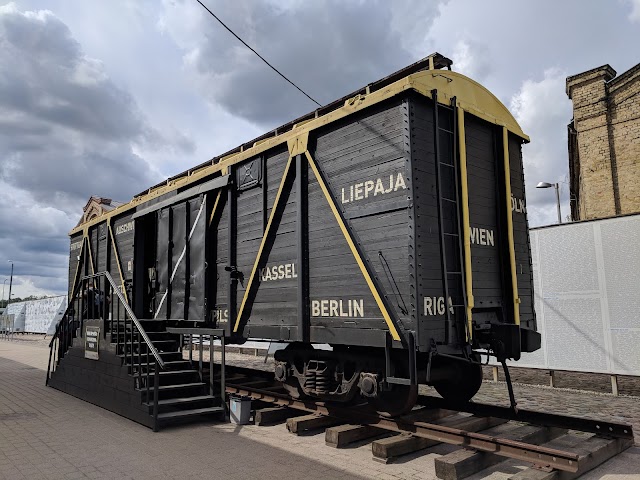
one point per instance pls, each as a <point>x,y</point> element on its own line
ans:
<point>587,296</point>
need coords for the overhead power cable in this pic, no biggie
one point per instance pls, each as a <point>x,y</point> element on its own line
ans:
<point>259,56</point>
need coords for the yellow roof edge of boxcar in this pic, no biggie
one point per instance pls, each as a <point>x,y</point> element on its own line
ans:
<point>470,96</point>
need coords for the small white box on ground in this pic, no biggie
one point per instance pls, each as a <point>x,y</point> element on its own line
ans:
<point>240,408</point>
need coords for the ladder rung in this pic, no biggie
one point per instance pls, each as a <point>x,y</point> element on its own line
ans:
<point>451,234</point>
<point>447,164</point>
<point>449,200</point>
<point>454,273</point>
<point>445,130</point>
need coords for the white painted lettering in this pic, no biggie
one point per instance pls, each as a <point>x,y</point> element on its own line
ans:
<point>124,228</point>
<point>517,205</point>
<point>222,315</point>
<point>390,184</point>
<point>428,304</point>
<point>358,191</point>
<point>379,187</point>
<point>482,236</point>
<point>368,187</point>
<point>337,308</point>
<point>373,188</point>
<point>358,308</point>
<point>436,306</point>
<point>333,308</point>
<point>278,272</point>
<point>489,237</point>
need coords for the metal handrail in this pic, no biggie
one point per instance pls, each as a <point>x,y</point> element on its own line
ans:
<point>64,315</point>
<point>134,319</point>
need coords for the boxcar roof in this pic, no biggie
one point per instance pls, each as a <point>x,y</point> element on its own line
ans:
<point>422,77</point>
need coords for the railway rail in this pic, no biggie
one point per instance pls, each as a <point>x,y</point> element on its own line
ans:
<point>435,421</point>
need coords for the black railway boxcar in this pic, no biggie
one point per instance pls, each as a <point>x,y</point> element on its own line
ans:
<point>390,224</point>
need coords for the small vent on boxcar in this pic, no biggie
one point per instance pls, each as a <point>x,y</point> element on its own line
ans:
<point>249,174</point>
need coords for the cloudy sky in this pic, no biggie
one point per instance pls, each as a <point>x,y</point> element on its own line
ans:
<point>108,98</point>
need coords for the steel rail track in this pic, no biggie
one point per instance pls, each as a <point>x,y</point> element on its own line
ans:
<point>535,454</point>
<point>599,427</point>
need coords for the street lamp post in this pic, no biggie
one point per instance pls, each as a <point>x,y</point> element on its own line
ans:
<point>557,187</point>
<point>10,282</point>
<point>3,285</point>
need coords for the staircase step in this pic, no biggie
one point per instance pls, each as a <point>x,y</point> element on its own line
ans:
<point>165,356</point>
<point>174,391</point>
<point>152,335</point>
<point>183,403</point>
<point>160,345</point>
<point>180,385</point>
<point>166,373</point>
<point>190,413</point>
<point>181,400</point>
<point>148,325</point>
<point>169,376</point>
<point>168,365</point>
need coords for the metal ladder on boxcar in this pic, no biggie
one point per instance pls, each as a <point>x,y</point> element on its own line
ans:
<point>449,221</point>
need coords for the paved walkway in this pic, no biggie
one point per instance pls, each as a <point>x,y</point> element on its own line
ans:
<point>48,434</point>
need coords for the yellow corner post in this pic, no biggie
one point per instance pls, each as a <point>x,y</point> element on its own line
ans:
<point>354,250</point>
<point>466,228</point>
<point>265,235</point>
<point>512,250</point>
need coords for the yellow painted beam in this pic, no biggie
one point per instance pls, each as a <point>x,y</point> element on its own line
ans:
<point>90,254</point>
<point>115,251</point>
<point>512,250</point>
<point>215,207</point>
<point>75,276</point>
<point>265,235</point>
<point>472,97</point>
<point>466,228</point>
<point>354,250</point>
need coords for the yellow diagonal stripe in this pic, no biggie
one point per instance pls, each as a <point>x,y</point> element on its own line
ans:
<point>354,250</point>
<point>262,243</point>
<point>115,251</point>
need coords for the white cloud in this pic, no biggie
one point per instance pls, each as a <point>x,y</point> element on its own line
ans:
<point>543,110</point>
<point>329,48</point>
<point>634,15</point>
<point>472,59</point>
<point>66,132</point>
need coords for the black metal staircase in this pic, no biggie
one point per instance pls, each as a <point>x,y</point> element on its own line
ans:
<point>143,353</point>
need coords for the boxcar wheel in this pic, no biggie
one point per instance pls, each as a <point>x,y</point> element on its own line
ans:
<point>464,385</point>
<point>397,401</point>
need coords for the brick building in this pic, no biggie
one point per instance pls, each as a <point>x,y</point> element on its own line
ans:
<point>604,143</point>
